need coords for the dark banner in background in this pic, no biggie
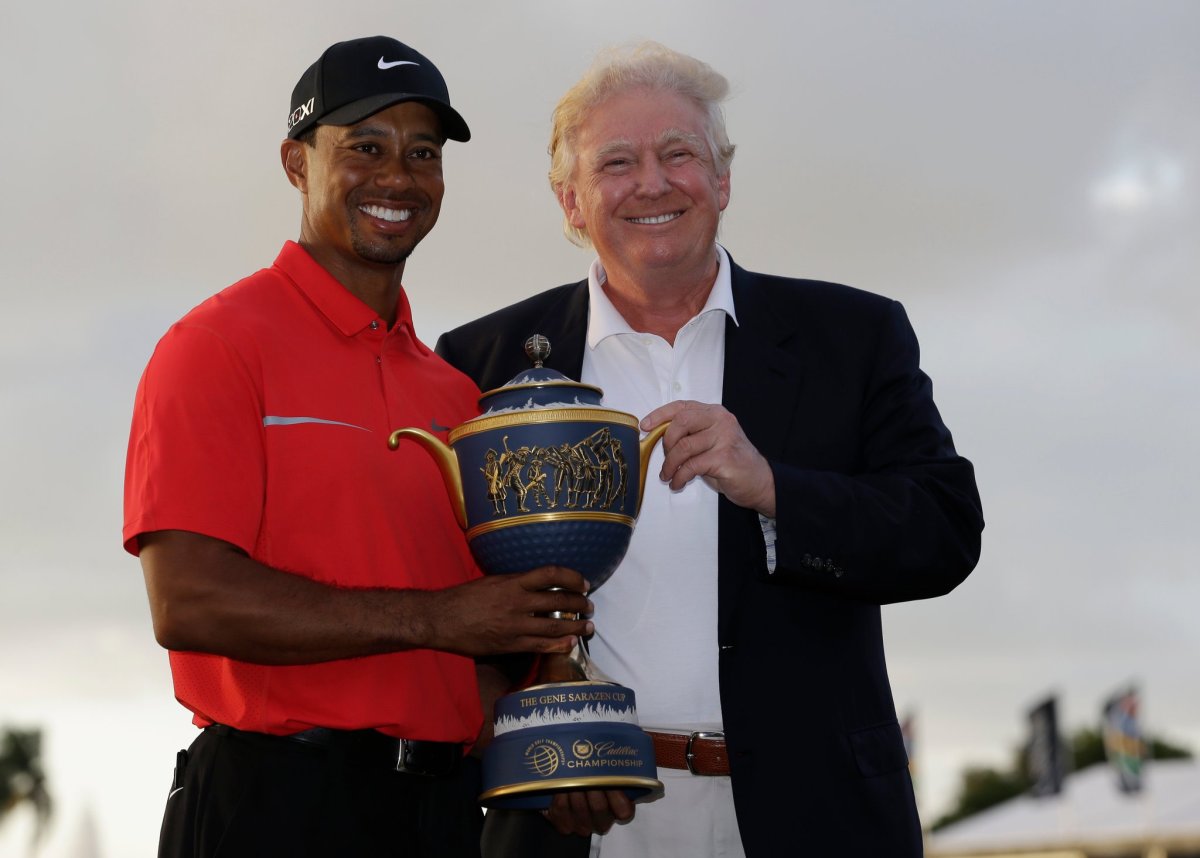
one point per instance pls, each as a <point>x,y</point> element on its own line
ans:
<point>1046,752</point>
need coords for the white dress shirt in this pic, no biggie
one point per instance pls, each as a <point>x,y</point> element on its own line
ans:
<point>668,578</point>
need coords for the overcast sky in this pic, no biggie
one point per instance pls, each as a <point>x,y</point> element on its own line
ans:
<point>1021,175</point>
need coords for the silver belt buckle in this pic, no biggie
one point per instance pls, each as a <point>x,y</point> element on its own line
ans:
<point>404,760</point>
<point>689,756</point>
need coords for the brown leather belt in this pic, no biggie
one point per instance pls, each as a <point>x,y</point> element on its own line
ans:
<point>701,753</point>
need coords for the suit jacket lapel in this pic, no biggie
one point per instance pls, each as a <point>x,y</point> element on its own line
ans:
<point>762,380</point>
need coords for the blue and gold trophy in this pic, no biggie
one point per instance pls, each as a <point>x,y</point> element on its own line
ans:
<point>547,476</point>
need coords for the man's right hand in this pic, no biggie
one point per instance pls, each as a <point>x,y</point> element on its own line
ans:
<point>504,613</point>
<point>206,595</point>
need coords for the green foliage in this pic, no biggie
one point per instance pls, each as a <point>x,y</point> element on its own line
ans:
<point>22,779</point>
<point>1087,748</point>
<point>1161,749</point>
<point>982,788</point>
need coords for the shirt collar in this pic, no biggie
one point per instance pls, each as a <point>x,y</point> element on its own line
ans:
<point>605,321</point>
<point>337,303</point>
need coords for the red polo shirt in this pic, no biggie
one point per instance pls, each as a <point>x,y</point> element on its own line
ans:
<point>262,419</point>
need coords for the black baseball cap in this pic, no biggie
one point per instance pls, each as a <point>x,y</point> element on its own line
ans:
<point>355,79</point>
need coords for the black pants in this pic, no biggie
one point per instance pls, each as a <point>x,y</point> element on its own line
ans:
<point>246,794</point>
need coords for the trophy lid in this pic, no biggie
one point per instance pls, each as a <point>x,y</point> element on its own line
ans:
<point>539,386</point>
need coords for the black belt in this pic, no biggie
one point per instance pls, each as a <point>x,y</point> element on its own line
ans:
<point>408,756</point>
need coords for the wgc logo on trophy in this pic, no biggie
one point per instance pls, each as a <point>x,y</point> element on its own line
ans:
<point>546,475</point>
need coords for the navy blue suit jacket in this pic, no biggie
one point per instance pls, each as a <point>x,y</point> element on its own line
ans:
<point>873,506</point>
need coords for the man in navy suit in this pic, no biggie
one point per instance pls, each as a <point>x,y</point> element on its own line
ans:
<point>806,479</point>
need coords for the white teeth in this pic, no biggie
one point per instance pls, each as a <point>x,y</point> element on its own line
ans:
<point>391,215</point>
<point>657,219</point>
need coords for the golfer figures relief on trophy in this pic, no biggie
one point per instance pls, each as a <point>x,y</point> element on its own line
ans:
<point>547,476</point>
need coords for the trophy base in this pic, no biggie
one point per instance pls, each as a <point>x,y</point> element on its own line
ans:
<point>567,736</point>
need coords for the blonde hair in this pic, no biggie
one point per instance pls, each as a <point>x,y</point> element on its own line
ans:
<point>647,65</point>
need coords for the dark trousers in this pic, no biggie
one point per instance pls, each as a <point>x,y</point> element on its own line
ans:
<point>245,794</point>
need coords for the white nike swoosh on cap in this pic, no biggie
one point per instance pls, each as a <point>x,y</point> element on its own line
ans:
<point>386,65</point>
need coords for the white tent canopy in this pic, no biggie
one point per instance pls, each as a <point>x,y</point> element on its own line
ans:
<point>1090,817</point>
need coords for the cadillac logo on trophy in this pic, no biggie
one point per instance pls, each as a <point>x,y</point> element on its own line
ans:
<point>546,475</point>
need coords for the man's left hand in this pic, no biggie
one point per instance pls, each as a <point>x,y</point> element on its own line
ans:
<point>707,441</point>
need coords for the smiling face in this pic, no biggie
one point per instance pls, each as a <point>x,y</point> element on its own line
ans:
<point>645,188</point>
<point>372,190</point>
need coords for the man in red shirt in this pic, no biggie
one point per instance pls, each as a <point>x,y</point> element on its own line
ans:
<point>317,597</point>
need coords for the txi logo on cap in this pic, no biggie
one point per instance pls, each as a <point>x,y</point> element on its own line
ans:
<point>300,113</point>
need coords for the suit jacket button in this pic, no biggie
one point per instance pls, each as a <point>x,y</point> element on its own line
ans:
<point>807,560</point>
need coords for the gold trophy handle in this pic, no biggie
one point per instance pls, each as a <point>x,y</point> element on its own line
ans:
<point>644,448</point>
<point>447,463</point>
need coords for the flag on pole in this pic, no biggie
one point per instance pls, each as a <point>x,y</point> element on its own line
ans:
<point>1123,743</point>
<point>1046,753</point>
